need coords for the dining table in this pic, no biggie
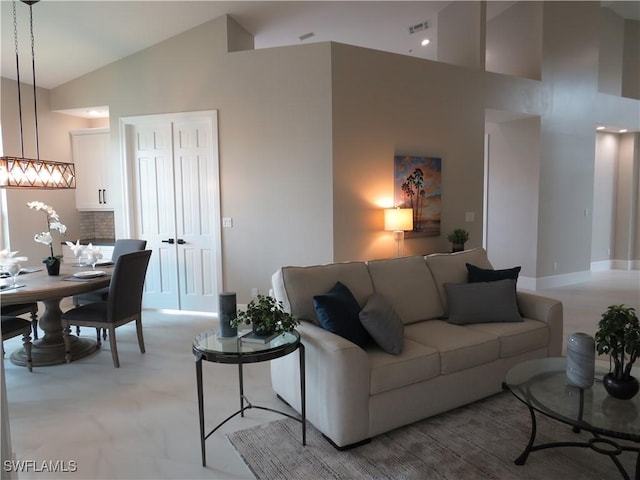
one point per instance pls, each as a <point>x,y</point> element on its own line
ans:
<point>39,286</point>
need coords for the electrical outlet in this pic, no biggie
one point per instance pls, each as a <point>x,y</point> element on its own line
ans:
<point>469,216</point>
<point>254,292</point>
<point>555,266</point>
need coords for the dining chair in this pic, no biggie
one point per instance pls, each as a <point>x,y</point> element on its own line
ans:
<point>122,246</point>
<point>14,326</point>
<point>123,304</point>
<point>20,309</point>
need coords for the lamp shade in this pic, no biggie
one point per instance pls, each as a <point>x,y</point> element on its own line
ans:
<point>398,219</point>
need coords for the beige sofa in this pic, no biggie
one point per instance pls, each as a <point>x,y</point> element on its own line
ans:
<point>356,393</point>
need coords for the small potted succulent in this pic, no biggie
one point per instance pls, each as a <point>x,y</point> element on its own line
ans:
<point>618,335</point>
<point>458,238</point>
<point>267,316</point>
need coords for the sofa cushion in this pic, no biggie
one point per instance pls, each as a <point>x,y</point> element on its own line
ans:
<point>460,347</point>
<point>415,364</point>
<point>383,324</point>
<point>482,302</point>
<point>477,274</point>
<point>451,268</point>
<point>517,338</point>
<point>338,313</point>
<point>409,286</point>
<point>296,286</point>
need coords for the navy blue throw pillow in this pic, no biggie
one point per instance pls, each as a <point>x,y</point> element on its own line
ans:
<point>477,274</point>
<point>338,312</point>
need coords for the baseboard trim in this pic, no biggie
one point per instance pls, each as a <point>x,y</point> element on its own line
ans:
<point>555,281</point>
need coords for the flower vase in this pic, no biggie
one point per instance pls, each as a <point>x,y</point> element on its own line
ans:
<point>53,268</point>
<point>581,358</point>
<point>227,304</point>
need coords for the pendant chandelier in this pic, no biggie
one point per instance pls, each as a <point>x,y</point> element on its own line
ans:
<point>22,172</point>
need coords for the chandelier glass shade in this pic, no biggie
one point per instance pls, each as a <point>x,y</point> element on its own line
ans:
<point>16,172</point>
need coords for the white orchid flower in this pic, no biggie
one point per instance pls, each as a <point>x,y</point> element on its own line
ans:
<point>44,237</point>
<point>53,223</point>
<point>58,226</point>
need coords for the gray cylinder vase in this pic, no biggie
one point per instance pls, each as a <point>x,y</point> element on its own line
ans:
<point>581,358</point>
<point>227,307</point>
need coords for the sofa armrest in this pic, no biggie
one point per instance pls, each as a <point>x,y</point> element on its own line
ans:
<point>337,384</point>
<point>548,310</point>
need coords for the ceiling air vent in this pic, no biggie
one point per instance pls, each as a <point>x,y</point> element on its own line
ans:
<point>419,27</point>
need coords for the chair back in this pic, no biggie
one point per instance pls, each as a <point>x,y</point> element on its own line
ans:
<point>127,245</point>
<point>127,283</point>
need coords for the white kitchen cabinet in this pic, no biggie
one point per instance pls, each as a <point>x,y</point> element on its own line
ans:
<point>90,148</point>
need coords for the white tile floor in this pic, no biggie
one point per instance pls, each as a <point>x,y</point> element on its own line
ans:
<point>141,420</point>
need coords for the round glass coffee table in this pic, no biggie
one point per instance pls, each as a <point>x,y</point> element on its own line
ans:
<point>542,386</point>
<point>237,350</point>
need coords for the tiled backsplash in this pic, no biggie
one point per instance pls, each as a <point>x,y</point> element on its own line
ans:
<point>97,225</point>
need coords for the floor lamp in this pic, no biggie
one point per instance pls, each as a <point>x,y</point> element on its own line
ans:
<point>398,220</point>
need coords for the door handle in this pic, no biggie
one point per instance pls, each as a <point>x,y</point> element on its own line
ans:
<point>104,196</point>
<point>100,196</point>
<point>170,241</point>
<point>181,241</point>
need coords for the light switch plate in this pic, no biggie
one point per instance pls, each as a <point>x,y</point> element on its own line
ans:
<point>227,222</point>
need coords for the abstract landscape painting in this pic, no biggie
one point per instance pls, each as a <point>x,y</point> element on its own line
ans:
<point>418,186</point>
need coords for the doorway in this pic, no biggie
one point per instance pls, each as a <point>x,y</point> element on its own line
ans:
<point>174,204</point>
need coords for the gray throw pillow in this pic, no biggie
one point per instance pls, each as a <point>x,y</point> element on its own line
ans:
<point>383,324</point>
<point>482,302</point>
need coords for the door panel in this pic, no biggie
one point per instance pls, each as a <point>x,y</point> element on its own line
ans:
<point>176,194</point>
<point>155,211</point>
<point>194,193</point>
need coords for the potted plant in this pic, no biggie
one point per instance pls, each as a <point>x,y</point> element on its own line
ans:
<point>267,315</point>
<point>458,238</point>
<point>618,335</point>
<point>53,223</point>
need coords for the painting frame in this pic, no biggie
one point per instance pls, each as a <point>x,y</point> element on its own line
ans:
<point>418,185</point>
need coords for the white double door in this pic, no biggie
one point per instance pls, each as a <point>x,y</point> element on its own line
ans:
<point>175,197</point>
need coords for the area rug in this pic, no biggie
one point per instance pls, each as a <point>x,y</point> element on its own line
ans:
<point>478,441</point>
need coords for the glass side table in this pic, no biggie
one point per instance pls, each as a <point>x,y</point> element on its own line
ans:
<point>211,347</point>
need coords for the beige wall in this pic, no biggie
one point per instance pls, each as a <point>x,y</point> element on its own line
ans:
<point>570,68</point>
<point>631,59</point>
<point>274,110</point>
<point>461,34</point>
<point>514,41</point>
<point>383,105</point>
<point>513,193</point>
<point>627,220</point>
<point>604,193</point>
<point>610,56</point>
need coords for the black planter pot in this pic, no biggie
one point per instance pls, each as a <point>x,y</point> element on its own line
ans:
<point>621,389</point>
<point>457,247</point>
<point>53,269</point>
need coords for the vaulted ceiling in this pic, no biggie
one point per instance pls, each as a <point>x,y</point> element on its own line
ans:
<point>76,37</point>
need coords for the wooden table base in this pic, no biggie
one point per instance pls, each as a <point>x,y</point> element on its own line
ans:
<point>44,353</point>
